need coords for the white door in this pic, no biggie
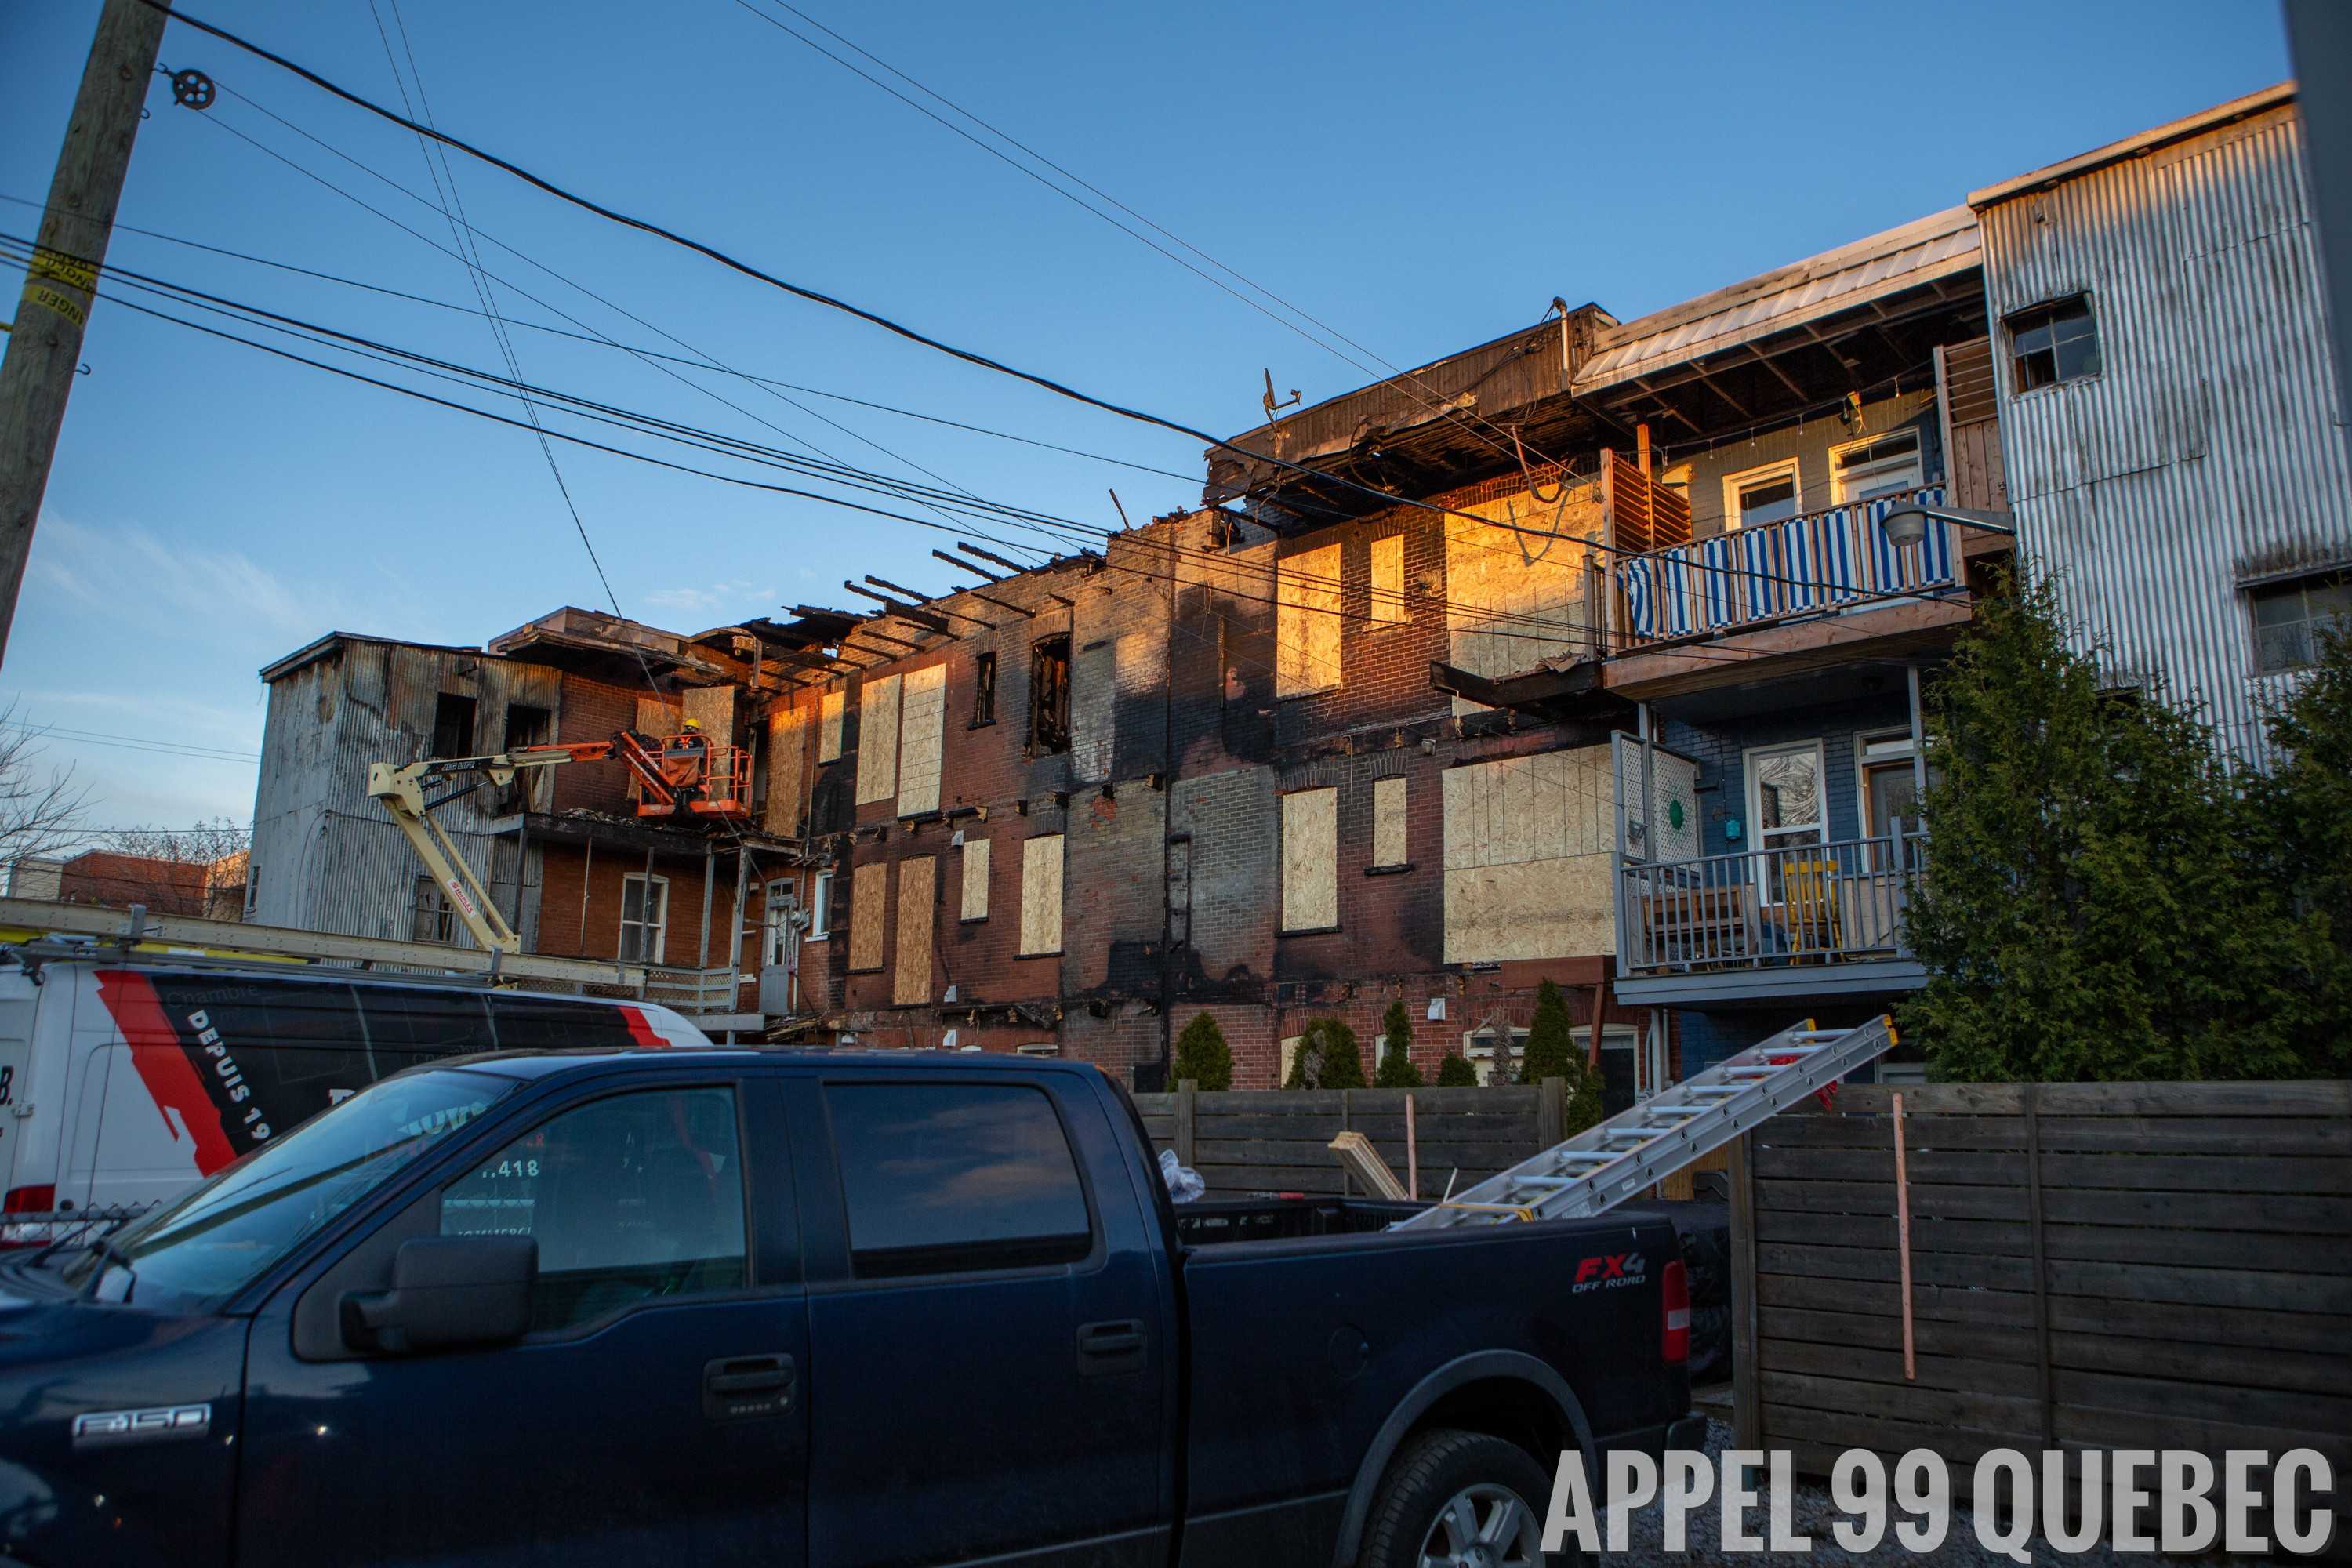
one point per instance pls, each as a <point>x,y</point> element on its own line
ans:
<point>1788,808</point>
<point>778,947</point>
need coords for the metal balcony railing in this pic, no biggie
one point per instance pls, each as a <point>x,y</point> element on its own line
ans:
<point>1794,904</point>
<point>1808,565</point>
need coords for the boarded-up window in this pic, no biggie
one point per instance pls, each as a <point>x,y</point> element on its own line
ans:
<point>877,739</point>
<point>1041,894</point>
<point>1290,1044</point>
<point>1529,844</point>
<point>869,891</point>
<point>1306,622</point>
<point>1310,859</point>
<point>975,879</point>
<point>910,982</point>
<point>1514,599</point>
<point>828,728</point>
<point>919,728</point>
<point>1387,822</point>
<point>1387,579</point>
<point>787,750</point>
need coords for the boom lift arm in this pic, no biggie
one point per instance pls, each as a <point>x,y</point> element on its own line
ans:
<point>677,775</point>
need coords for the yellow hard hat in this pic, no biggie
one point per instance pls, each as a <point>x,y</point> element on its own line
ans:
<point>692,727</point>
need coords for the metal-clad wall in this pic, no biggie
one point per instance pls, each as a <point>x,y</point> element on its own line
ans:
<point>330,858</point>
<point>2210,449</point>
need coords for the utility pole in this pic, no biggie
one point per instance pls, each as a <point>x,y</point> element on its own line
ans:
<point>36,373</point>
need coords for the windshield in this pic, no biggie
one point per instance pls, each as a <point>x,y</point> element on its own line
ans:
<point>195,1254</point>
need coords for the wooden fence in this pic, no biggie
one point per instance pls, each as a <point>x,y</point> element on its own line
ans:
<point>2144,1266</point>
<point>1247,1141</point>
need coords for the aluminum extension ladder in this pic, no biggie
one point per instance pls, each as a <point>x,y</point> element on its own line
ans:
<point>1624,1156</point>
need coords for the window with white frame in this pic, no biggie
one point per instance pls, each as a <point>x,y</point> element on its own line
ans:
<point>1758,498</point>
<point>1479,1049</point>
<point>1875,466</point>
<point>645,917</point>
<point>820,906</point>
<point>1885,785</point>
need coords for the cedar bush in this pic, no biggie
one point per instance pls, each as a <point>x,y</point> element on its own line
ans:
<point>2110,896</point>
<point>1551,1042</point>
<point>1328,1057</point>
<point>1203,1055</point>
<point>1397,1071</point>
<point>1455,1072</point>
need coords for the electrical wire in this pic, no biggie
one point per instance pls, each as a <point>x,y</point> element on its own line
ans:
<point>134,743</point>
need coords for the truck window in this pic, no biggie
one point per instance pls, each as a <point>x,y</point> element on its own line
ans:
<point>948,1177</point>
<point>632,1198</point>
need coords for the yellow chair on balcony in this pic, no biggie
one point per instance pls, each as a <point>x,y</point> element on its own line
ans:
<point>1808,891</point>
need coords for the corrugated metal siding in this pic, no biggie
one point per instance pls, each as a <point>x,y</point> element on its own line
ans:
<point>329,857</point>
<point>2211,447</point>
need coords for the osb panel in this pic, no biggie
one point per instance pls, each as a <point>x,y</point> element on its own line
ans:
<point>1306,622</point>
<point>713,708</point>
<point>869,891</point>
<point>975,879</point>
<point>828,727</point>
<point>654,718</point>
<point>1388,822</point>
<point>1041,894</point>
<point>1544,909</point>
<point>1310,859</point>
<point>1529,844</point>
<point>1507,594</point>
<point>1387,579</point>
<point>787,749</point>
<point>921,721</point>
<point>877,739</point>
<point>910,983</point>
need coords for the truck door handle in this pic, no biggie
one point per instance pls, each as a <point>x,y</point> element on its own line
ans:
<point>1112,1347</point>
<point>737,1387</point>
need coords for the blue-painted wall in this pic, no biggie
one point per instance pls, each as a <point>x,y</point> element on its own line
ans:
<point>1719,746</point>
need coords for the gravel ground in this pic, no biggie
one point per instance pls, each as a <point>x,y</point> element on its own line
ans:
<point>1814,1512</point>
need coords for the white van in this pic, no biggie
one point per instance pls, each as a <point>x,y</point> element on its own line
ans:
<point>124,1081</point>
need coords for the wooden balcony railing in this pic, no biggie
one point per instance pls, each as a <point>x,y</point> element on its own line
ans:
<point>1811,903</point>
<point>1808,565</point>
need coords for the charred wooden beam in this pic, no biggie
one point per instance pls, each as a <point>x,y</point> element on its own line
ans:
<point>961,564</point>
<point>908,612</point>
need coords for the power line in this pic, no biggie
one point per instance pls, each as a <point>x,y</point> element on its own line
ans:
<point>801,292</point>
<point>130,743</point>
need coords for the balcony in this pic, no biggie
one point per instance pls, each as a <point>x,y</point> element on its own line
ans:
<point>1810,918</point>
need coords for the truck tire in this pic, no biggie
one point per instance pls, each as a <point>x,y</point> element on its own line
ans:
<point>1459,1500</point>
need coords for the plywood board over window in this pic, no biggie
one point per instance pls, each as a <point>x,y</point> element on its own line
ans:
<point>1388,581</point>
<point>1306,622</point>
<point>787,751</point>
<point>975,879</point>
<point>869,892</point>
<point>828,727</point>
<point>923,717</point>
<point>910,982</point>
<point>877,739</point>
<point>1387,822</point>
<point>1514,594</point>
<point>1530,845</point>
<point>1310,859</point>
<point>1041,894</point>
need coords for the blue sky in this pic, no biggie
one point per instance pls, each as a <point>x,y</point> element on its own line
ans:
<point>1422,178</point>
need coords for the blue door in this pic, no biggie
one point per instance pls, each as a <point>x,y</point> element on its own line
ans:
<point>988,1323</point>
<point>651,1414</point>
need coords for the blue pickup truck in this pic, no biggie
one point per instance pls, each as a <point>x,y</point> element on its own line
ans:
<point>728,1306</point>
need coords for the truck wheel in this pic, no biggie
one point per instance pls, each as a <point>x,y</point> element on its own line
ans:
<point>1459,1500</point>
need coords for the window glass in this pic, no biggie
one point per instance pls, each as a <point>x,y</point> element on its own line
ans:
<point>952,1175</point>
<point>1764,501</point>
<point>634,1198</point>
<point>2053,342</point>
<point>197,1252</point>
<point>2290,618</point>
<point>644,909</point>
<point>1885,465</point>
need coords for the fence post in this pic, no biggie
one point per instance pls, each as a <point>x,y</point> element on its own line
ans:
<point>1746,1400</point>
<point>2032,1108</point>
<point>1347,1122</point>
<point>1181,1133</point>
<point>1552,1113</point>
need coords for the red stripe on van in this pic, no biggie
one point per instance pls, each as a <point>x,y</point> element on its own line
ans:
<point>157,1051</point>
<point>641,1031</point>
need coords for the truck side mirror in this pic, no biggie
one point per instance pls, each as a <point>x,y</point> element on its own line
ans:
<point>449,1293</point>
